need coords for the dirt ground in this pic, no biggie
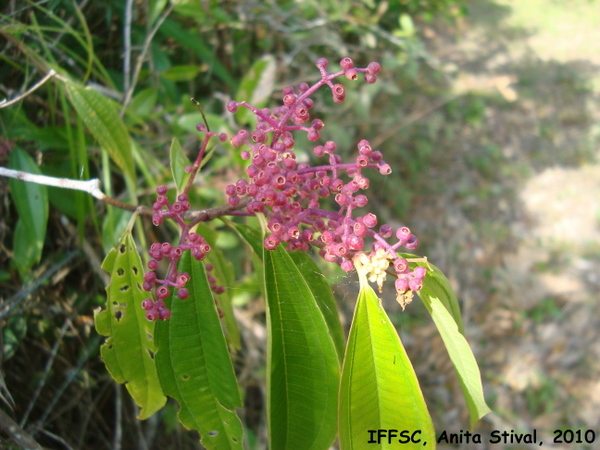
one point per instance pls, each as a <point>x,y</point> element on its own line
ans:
<point>521,245</point>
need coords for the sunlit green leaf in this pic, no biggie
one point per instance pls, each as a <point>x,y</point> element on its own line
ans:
<point>379,388</point>
<point>102,119</point>
<point>460,353</point>
<point>31,202</point>
<point>194,365</point>
<point>406,24</point>
<point>129,348</point>
<point>313,277</point>
<point>189,121</point>
<point>302,363</point>
<point>436,284</point>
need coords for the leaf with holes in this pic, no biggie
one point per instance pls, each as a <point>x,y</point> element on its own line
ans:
<point>194,365</point>
<point>128,352</point>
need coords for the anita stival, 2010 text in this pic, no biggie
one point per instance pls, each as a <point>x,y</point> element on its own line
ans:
<point>500,437</point>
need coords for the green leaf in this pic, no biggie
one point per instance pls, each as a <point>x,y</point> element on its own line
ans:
<point>174,30</point>
<point>313,277</point>
<point>223,271</point>
<point>379,388</point>
<point>155,9</point>
<point>31,202</point>
<point>324,296</point>
<point>128,352</point>
<point>460,353</point>
<point>178,164</point>
<point>257,86</point>
<point>113,226</point>
<point>438,297</point>
<point>194,365</point>
<point>101,118</point>
<point>182,73</point>
<point>144,102</point>
<point>189,121</point>
<point>302,364</point>
<point>249,235</point>
<point>407,25</point>
<point>436,284</point>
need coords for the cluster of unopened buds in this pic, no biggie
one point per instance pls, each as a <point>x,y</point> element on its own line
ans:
<point>189,241</point>
<point>291,194</point>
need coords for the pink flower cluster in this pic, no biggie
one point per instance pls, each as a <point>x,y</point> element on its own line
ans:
<point>189,241</point>
<point>294,195</point>
<point>291,194</point>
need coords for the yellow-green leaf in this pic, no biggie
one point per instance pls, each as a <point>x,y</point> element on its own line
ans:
<point>128,352</point>
<point>460,353</point>
<point>379,388</point>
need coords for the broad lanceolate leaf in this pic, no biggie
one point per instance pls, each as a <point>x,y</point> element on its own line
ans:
<point>129,349</point>
<point>31,202</point>
<point>302,364</point>
<point>379,388</point>
<point>178,163</point>
<point>441,302</point>
<point>194,365</point>
<point>314,279</point>
<point>101,118</point>
<point>324,296</point>
<point>460,353</point>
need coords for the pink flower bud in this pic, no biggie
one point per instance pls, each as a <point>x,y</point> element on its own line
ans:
<point>232,106</point>
<point>346,63</point>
